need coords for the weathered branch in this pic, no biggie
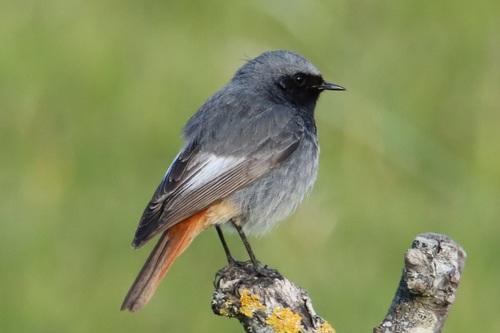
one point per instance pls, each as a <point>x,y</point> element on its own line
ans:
<point>429,283</point>
<point>269,303</point>
<point>265,303</point>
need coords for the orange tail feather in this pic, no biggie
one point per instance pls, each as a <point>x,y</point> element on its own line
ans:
<point>170,246</point>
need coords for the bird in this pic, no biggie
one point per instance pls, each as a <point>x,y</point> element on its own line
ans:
<point>250,156</point>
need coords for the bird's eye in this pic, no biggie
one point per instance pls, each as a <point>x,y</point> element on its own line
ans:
<point>299,80</point>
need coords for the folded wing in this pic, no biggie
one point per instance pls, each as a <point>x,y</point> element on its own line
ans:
<point>197,178</point>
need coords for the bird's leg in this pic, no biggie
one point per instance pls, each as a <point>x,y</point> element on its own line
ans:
<point>247,244</point>
<point>230,259</point>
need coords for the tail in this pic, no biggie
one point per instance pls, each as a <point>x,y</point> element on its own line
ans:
<point>170,246</point>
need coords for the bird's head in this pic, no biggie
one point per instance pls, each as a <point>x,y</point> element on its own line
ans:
<point>285,77</point>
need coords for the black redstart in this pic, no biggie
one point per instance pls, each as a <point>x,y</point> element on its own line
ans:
<point>250,157</point>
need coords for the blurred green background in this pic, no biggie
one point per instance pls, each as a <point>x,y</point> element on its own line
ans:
<point>93,96</point>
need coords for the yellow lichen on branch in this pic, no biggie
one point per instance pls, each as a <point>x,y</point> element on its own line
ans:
<point>285,321</point>
<point>326,328</point>
<point>250,303</point>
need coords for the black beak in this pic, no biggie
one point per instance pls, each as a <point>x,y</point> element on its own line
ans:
<point>329,86</point>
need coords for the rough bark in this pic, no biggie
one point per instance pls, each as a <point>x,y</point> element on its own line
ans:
<point>266,302</point>
<point>428,286</point>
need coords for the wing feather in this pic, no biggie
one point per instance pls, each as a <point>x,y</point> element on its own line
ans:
<point>197,178</point>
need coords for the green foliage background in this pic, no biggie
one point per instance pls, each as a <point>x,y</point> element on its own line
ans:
<point>93,96</point>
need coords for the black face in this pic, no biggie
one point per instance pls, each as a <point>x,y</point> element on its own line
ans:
<point>302,89</point>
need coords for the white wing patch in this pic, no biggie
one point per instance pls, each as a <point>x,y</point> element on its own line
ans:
<point>208,168</point>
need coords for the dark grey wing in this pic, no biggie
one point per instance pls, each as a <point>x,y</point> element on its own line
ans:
<point>172,179</point>
<point>198,178</point>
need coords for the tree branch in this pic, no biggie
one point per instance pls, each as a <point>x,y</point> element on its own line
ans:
<point>428,286</point>
<point>269,303</point>
<point>266,302</point>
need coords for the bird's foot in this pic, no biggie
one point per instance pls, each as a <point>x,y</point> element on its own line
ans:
<point>231,265</point>
<point>266,272</point>
<point>239,269</point>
